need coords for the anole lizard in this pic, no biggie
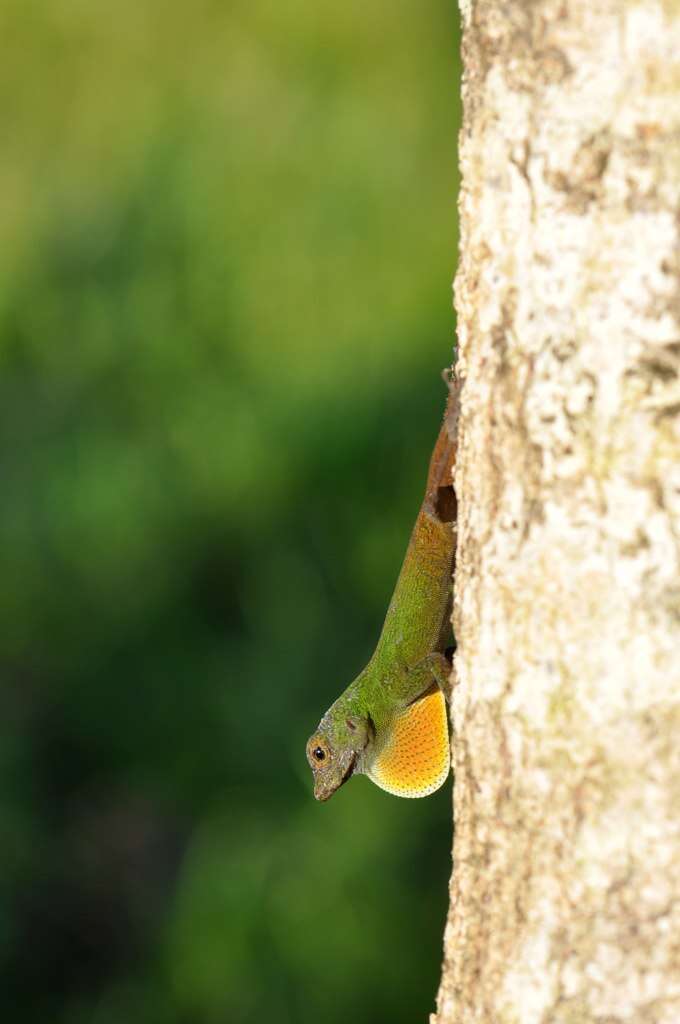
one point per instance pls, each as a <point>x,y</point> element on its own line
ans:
<point>391,722</point>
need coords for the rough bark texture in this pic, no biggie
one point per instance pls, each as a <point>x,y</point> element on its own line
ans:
<point>565,894</point>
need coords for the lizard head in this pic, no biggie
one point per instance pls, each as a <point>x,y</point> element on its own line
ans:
<point>335,751</point>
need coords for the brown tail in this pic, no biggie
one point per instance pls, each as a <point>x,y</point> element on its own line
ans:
<point>440,496</point>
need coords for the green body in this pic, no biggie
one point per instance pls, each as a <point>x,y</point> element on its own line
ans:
<point>409,655</point>
<point>416,626</point>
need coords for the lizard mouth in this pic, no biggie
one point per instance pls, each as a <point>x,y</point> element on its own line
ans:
<point>350,769</point>
<point>324,789</point>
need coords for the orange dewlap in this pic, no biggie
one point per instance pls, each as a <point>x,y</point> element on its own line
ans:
<point>415,759</point>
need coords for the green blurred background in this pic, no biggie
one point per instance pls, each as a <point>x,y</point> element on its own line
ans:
<point>228,236</point>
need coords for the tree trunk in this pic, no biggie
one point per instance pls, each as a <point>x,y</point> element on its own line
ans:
<point>565,894</point>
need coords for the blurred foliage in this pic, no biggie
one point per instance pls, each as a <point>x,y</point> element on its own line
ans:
<point>228,233</point>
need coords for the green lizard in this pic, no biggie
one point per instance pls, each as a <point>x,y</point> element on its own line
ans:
<point>391,722</point>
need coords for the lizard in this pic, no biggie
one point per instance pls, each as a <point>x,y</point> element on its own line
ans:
<point>391,722</point>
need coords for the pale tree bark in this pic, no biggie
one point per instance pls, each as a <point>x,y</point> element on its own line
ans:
<point>565,892</point>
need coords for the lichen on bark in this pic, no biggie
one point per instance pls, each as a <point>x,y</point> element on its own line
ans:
<point>565,892</point>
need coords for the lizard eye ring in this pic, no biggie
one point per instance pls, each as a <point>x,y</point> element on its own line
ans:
<point>318,751</point>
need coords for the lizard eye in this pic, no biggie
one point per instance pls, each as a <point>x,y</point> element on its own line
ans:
<point>317,751</point>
